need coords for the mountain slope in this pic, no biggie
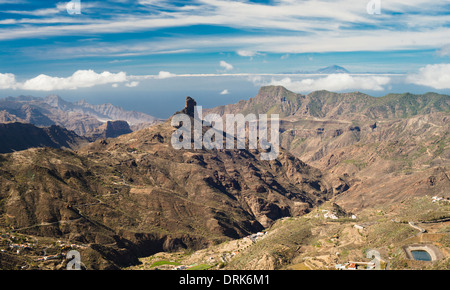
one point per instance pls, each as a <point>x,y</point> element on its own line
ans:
<point>374,149</point>
<point>345,106</point>
<point>271,99</point>
<point>20,136</point>
<point>135,195</point>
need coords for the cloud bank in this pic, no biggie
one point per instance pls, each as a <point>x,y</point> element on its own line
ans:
<point>7,81</point>
<point>79,79</point>
<point>332,82</point>
<point>436,76</point>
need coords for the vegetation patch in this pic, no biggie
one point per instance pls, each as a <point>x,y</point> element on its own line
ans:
<point>201,267</point>
<point>160,263</point>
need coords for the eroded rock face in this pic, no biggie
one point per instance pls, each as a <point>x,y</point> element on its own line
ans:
<point>110,129</point>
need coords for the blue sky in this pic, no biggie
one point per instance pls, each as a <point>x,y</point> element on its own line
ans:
<point>219,51</point>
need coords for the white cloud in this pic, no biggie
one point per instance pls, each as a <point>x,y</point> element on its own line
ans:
<point>436,76</point>
<point>39,12</point>
<point>7,81</point>
<point>247,53</point>
<point>332,82</point>
<point>226,65</point>
<point>225,92</point>
<point>444,51</point>
<point>132,84</point>
<point>79,79</point>
<point>326,41</point>
<point>332,25</point>
<point>165,75</point>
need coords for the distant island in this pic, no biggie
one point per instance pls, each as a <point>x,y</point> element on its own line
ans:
<point>333,69</point>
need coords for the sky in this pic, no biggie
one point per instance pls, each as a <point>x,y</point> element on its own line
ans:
<point>148,55</point>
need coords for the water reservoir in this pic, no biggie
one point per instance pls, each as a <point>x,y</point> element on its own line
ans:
<point>421,255</point>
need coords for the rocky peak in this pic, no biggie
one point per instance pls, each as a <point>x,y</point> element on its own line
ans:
<point>55,101</point>
<point>117,128</point>
<point>81,102</point>
<point>189,106</point>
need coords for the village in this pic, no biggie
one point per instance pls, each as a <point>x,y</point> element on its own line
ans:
<point>440,199</point>
<point>356,266</point>
<point>350,265</point>
<point>34,251</point>
<point>226,256</point>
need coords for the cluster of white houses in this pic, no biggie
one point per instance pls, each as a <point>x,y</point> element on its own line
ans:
<point>255,237</point>
<point>439,198</point>
<point>356,266</point>
<point>331,215</point>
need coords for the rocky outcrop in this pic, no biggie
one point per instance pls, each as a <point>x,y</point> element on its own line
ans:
<point>189,106</point>
<point>110,129</point>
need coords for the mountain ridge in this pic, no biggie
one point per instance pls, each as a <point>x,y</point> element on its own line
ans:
<point>80,116</point>
<point>320,104</point>
<point>17,136</point>
<point>356,139</point>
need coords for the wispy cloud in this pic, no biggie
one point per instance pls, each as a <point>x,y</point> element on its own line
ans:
<point>226,65</point>
<point>247,53</point>
<point>385,40</point>
<point>132,84</point>
<point>444,51</point>
<point>341,25</point>
<point>38,12</point>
